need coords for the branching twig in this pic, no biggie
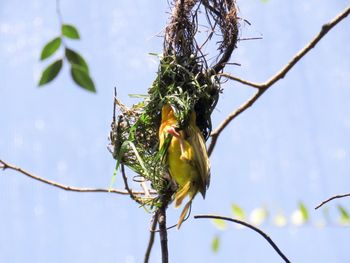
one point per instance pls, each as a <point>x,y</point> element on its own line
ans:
<point>332,198</point>
<point>215,134</point>
<point>262,87</point>
<point>126,185</point>
<point>58,11</point>
<point>5,165</point>
<point>151,237</point>
<point>263,234</point>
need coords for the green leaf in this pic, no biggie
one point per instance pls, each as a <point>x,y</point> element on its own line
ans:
<point>219,223</point>
<point>304,212</point>
<point>50,72</point>
<point>138,96</point>
<point>215,244</point>
<point>159,55</point>
<point>238,212</point>
<point>121,152</point>
<point>76,59</point>
<point>70,31</point>
<point>50,48</point>
<point>114,177</point>
<point>344,216</point>
<point>82,78</point>
<point>123,149</point>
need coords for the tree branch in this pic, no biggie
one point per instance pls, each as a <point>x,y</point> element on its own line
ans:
<point>215,134</point>
<point>163,234</point>
<point>4,165</point>
<point>165,199</point>
<point>331,198</point>
<point>245,82</point>
<point>263,234</point>
<point>151,237</point>
<point>262,87</point>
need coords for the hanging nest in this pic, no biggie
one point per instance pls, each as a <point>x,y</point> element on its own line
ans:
<point>184,80</point>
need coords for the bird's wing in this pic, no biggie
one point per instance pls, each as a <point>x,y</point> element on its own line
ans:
<point>201,159</point>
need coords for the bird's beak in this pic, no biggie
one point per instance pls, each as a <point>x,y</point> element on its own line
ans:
<point>171,130</point>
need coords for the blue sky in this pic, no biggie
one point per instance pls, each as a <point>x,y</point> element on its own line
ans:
<point>291,146</point>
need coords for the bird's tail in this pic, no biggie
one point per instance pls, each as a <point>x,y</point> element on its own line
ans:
<point>184,213</point>
<point>179,197</point>
<point>182,193</point>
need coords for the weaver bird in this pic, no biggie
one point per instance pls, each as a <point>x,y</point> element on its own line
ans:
<point>186,157</point>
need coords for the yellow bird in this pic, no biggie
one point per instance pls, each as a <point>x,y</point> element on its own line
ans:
<point>187,158</point>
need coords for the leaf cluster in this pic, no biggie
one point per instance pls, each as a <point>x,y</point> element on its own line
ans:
<point>298,218</point>
<point>79,68</point>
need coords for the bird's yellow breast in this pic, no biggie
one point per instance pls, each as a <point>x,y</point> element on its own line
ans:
<point>186,157</point>
<point>180,163</point>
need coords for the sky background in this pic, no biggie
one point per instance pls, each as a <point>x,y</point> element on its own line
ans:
<point>292,145</point>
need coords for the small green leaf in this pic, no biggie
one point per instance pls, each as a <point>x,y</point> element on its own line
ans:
<point>50,72</point>
<point>114,177</point>
<point>238,212</point>
<point>82,78</point>
<point>343,212</point>
<point>138,96</point>
<point>300,216</point>
<point>70,31</point>
<point>159,55</point>
<point>50,48</point>
<point>215,244</point>
<point>344,216</point>
<point>219,224</point>
<point>75,58</point>
<point>304,212</point>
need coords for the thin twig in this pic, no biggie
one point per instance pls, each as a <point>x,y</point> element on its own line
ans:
<point>151,237</point>
<point>5,165</point>
<point>262,87</point>
<point>262,233</point>
<point>215,134</point>
<point>126,185</point>
<point>58,11</point>
<point>249,38</point>
<point>60,21</point>
<point>332,198</point>
<point>245,82</point>
<point>175,225</point>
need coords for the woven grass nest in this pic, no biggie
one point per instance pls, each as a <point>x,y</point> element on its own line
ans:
<point>183,80</point>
